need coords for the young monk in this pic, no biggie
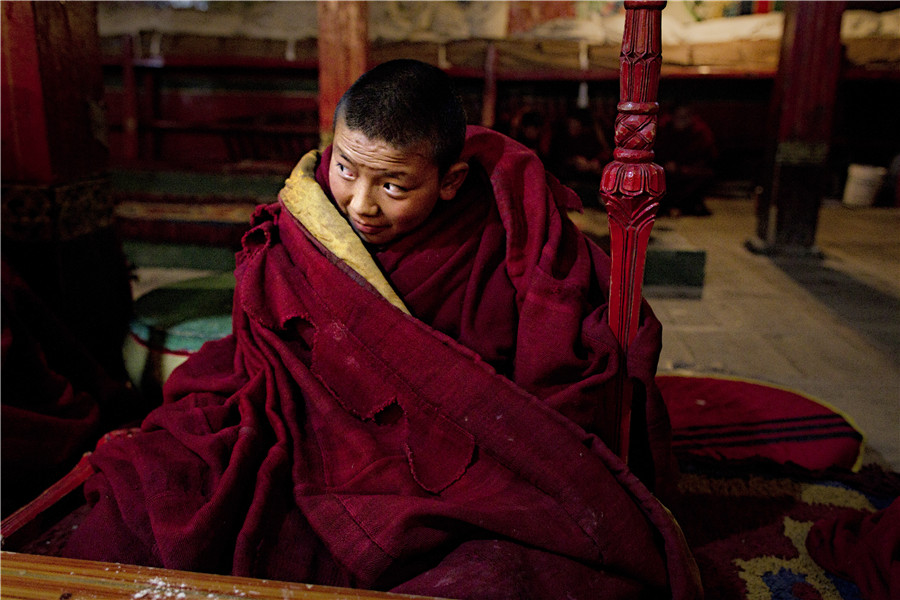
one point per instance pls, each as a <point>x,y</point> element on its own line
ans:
<point>419,357</point>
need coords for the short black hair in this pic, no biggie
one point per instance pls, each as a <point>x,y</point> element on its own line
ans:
<point>405,102</point>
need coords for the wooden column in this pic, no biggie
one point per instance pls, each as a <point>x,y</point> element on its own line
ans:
<point>52,92</point>
<point>489,97</point>
<point>803,115</point>
<point>343,55</point>
<point>130,141</point>
<point>26,153</point>
<point>56,210</point>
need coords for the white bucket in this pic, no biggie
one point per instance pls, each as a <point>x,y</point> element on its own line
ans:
<point>863,184</point>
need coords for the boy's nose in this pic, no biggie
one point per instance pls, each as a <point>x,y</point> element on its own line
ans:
<point>362,202</point>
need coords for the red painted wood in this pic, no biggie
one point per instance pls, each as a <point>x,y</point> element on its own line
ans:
<point>525,16</point>
<point>26,153</point>
<point>72,82</point>
<point>48,498</point>
<point>631,188</point>
<point>810,68</point>
<point>801,121</point>
<point>218,62</point>
<point>489,98</point>
<point>129,101</point>
<point>343,54</point>
<point>56,492</point>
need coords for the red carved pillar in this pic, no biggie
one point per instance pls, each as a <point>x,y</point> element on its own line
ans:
<point>631,188</point>
<point>343,55</point>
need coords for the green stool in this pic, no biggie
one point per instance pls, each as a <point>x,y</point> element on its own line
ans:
<point>171,323</point>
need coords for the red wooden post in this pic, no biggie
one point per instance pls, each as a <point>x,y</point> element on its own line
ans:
<point>489,98</point>
<point>57,214</point>
<point>343,55</point>
<point>129,101</point>
<point>631,188</point>
<point>802,114</point>
<point>26,148</point>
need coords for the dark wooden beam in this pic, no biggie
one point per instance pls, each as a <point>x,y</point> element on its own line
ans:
<point>802,116</point>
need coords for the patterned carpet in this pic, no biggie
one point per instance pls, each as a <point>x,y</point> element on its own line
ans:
<point>760,465</point>
<point>747,526</point>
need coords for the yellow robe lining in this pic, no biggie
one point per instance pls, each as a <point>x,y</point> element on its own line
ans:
<point>307,202</point>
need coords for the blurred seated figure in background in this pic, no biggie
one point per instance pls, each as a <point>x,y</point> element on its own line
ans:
<point>686,148</point>
<point>530,128</point>
<point>578,153</point>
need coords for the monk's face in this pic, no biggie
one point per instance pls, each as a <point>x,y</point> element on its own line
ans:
<point>383,191</point>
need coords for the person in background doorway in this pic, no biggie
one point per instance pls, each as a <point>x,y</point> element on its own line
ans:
<point>686,148</point>
<point>578,153</point>
<point>530,128</point>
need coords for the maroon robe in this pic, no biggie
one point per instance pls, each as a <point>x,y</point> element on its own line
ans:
<point>861,547</point>
<point>334,439</point>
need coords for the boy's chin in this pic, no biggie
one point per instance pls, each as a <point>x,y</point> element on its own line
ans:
<point>378,238</point>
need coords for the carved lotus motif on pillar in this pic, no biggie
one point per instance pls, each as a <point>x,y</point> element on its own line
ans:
<point>632,191</point>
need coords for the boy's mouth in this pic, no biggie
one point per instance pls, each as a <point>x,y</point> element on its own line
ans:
<point>367,229</point>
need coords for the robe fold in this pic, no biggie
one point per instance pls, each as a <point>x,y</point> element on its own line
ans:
<point>861,547</point>
<point>417,417</point>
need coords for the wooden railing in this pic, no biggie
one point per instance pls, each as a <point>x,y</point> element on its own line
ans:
<point>33,577</point>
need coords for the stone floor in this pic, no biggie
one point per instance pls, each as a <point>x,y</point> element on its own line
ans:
<point>828,328</point>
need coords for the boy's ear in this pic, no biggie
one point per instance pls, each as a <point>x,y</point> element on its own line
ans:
<point>453,179</point>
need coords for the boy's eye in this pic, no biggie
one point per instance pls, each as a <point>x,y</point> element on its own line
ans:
<point>393,188</point>
<point>343,170</point>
